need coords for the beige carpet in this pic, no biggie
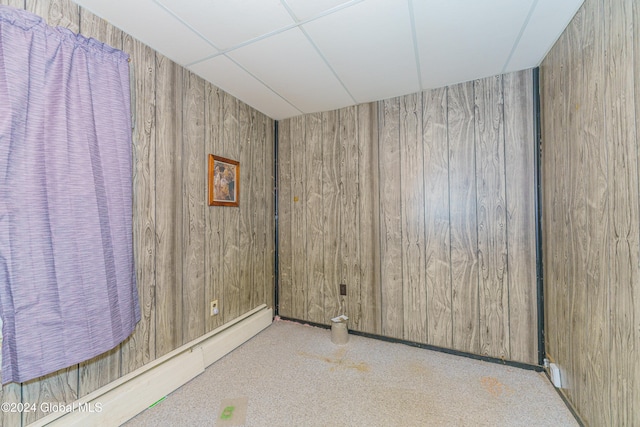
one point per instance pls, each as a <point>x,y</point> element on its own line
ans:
<point>293,375</point>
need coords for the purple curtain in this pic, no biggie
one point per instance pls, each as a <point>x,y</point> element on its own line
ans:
<point>67,276</point>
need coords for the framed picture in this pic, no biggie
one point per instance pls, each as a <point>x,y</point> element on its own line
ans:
<point>224,181</point>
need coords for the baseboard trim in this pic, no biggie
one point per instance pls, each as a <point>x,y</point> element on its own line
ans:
<point>512,363</point>
<point>565,399</point>
<point>126,397</point>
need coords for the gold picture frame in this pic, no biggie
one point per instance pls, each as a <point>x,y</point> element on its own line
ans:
<point>224,181</point>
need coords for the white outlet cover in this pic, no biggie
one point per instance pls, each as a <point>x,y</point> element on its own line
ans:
<point>555,375</point>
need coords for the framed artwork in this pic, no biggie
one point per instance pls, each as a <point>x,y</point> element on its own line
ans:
<point>224,181</point>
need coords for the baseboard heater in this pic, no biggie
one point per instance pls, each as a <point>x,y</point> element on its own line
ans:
<point>131,394</point>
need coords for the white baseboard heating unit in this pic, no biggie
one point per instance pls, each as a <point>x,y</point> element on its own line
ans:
<point>131,394</point>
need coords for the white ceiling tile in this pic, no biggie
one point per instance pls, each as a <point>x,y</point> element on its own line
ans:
<point>290,65</point>
<point>547,22</point>
<point>227,23</point>
<point>175,41</point>
<point>370,47</point>
<point>461,40</point>
<point>360,50</point>
<point>305,9</point>
<point>225,74</point>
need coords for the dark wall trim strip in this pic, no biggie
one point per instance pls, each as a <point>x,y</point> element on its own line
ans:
<point>542,354</point>
<point>568,403</point>
<point>520,365</point>
<point>276,272</point>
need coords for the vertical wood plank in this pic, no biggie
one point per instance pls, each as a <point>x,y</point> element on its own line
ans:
<point>596,362</point>
<point>269,185</point>
<point>370,304</point>
<point>285,199</point>
<point>623,210</point>
<point>350,216</point>
<point>435,145</point>
<point>246,142</point>
<point>492,245</point>
<point>520,194</point>
<point>18,4</point>
<point>635,313</point>
<point>99,371</point>
<point>414,289</point>
<point>12,394</point>
<point>139,348</point>
<point>193,200</point>
<point>463,217</point>
<point>58,387</point>
<point>560,252</point>
<point>298,217</point>
<point>168,201</point>
<point>230,129</point>
<point>576,214</point>
<point>214,224</point>
<point>331,215</point>
<point>259,224</point>
<point>390,219</point>
<point>91,25</point>
<point>314,227</point>
<point>105,368</point>
<point>56,13</point>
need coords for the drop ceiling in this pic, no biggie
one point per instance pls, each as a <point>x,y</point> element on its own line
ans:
<point>290,57</point>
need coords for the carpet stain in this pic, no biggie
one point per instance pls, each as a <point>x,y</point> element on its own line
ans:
<point>338,362</point>
<point>494,387</point>
<point>340,353</point>
<point>418,369</point>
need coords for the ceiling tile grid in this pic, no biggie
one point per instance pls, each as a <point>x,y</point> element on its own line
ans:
<point>477,46</point>
<point>307,83</point>
<point>370,47</point>
<point>541,31</point>
<point>289,57</point>
<point>226,24</point>
<point>233,79</point>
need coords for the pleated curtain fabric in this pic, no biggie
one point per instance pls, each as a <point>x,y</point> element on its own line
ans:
<point>67,276</point>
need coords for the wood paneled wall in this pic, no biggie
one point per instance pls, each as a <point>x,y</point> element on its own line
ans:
<point>590,84</point>
<point>424,206</point>
<point>187,253</point>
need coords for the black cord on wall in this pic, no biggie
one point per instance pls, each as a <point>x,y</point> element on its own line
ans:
<point>276,280</point>
<point>538,208</point>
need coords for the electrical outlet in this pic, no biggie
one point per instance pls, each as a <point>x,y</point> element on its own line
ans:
<point>214,307</point>
<point>343,289</point>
